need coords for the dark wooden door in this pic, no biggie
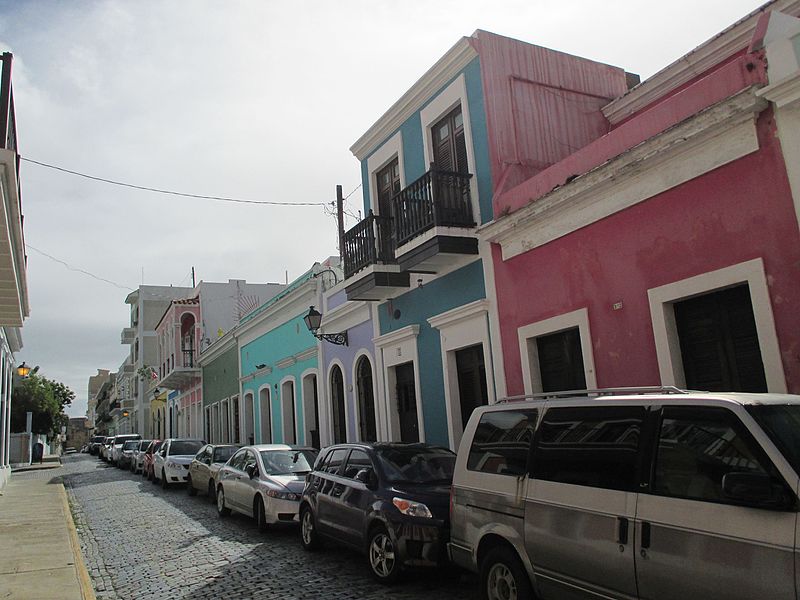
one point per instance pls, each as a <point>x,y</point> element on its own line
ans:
<point>407,402</point>
<point>719,342</point>
<point>472,390</point>
<point>449,143</point>
<point>337,398</point>
<point>561,361</point>
<point>366,401</point>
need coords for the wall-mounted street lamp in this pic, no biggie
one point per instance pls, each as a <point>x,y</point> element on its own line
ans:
<point>23,370</point>
<point>313,320</point>
<point>125,413</point>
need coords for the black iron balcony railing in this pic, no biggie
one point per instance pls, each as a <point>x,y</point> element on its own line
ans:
<point>438,198</point>
<point>188,358</point>
<point>368,243</point>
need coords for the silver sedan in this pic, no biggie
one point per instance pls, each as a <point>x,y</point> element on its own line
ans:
<point>265,482</point>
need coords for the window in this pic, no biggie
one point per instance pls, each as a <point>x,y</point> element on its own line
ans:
<point>471,374</point>
<point>237,462</point>
<point>595,446</point>
<point>449,143</point>
<point>334,460</point>
<point>358,460</point>
<point>502,441</point>
<point>388,184</point>
<point>250,460</point>
<point>697,447</point>
<point>561,361</point>
<point>719,342</point>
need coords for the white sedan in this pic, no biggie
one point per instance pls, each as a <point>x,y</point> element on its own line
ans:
<point>265,482</point>
<point>171,462</point>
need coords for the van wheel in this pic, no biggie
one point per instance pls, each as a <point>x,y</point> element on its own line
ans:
<point>503,577</point>
<point>384,560</point>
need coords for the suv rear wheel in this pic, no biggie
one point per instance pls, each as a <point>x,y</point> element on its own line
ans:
<point>503,577</point>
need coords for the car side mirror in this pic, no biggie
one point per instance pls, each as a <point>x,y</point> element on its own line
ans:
<point>367,477</point>
<point>251,470</point>
<point>751,488</point>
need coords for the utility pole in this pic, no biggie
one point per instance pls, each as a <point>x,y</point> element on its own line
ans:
<point>340,219</point>
<point>193,285</point>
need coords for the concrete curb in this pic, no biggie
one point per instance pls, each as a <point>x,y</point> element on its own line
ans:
<point>87,590</point>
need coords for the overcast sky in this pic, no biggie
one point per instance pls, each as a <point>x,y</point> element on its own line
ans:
<point>257,100</point>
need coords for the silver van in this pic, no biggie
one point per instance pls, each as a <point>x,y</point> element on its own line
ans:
<point>657,494</point>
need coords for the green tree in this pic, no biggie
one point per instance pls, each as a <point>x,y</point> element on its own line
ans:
<point>44,398</point>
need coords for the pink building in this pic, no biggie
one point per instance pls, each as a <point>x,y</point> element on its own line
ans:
<point>666,251</point>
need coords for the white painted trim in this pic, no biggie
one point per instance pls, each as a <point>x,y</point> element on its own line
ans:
<point>459,328</point>
<point>382,399</point>
<point>447,67</point>
<point>453,95</point>
<point>733,39</point>
<point>498,359</point>
<point>668,351</point>
<point>397,348</point>
<point>465,232</point>
<point>243,416</point>
<point>391,148</point>
<point>363,352</point>
<point>281,383</point>
<point>701,144</point>
<point>287,362</point>
<point>529,359</point>
<point>306,354</point>
<point>345,316</point>
<point>347,433</point>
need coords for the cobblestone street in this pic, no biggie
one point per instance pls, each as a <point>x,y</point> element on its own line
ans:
<point>141,542</point>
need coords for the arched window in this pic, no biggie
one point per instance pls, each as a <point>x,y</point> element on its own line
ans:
<point>187,340</point>
<point>264,413</point>
<point>337,399</point>
<point>366,401</point>
<point>287,408</point>
<point>311,411</point>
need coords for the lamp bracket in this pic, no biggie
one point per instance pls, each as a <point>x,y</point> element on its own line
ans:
<point>340,339</point>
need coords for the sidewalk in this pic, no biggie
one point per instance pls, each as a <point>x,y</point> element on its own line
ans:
<point>41,556</point>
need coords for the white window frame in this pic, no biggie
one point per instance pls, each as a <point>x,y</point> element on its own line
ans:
<point>665,331</point>
<point>391,149</point>
<point>450,97</point>
<point>397,348</point>
<point>460,328</point>
<point>529,355</point>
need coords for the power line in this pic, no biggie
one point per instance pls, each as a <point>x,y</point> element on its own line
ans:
<point>77,270</point>
<point>170,192</point>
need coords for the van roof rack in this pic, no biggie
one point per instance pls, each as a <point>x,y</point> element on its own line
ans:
<point>659,389</point>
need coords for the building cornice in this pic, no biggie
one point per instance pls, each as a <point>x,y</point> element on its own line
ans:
<point>783,93</point>
<point>735,38</point>
<point>346,315</point>
<point>461,313</point>
<point>447,67</point>
<point>708,140</point>
<point>395,337</point>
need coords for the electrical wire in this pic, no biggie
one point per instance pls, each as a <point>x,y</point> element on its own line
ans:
<point>77,270</point>
<point>170,192</point>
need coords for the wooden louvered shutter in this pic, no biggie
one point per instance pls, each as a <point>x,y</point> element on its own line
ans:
<point>442,146</point>
<point>561,361</point>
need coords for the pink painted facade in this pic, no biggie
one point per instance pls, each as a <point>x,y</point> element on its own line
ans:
<point>178,337</point>
<point>685,197</point>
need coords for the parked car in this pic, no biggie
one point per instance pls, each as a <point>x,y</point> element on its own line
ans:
<point>149,457</point>
<point>205,466</point>
<point>115,452</point>
<point>126,453</point>
<point>105,448</point>
<point>94,444</point>
<point>264,482</point>
<point>171,462</point>
<point>388,499</point>
<point>642,495</point>
<point>137,460</point>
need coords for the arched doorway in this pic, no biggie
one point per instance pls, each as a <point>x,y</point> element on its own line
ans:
<point>311,411</point>
<point>366,401</point>
<point>249,418</point>
<point>288,416</point>
<point>264,415</point>
<point>187,340</point>
<point>337,400</point>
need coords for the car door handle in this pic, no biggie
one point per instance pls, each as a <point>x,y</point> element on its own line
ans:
<point>645,535</point>
<point>622,530</point>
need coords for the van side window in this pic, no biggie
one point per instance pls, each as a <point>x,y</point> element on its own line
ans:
<point>595,446</point>
<point>502,441</point>
<point>698,447</point>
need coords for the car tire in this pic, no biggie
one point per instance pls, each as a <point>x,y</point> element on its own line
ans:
<point>503,577</point>
<point>212,496</point>
<point>164,481</point>
<point>222,510</point>
<point>382,556</point>
<point>259,512</point>
<point>192,491</point>
<point>309,536</point>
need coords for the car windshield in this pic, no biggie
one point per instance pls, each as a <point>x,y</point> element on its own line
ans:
<point>143,445</point>
<point>185,447</point>
<point>782,424</point>
<point>417,465</point>
<point>288,462</point>
<point>130,445</point>
<point>221,455</point>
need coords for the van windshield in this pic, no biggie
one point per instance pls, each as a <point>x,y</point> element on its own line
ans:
<point>782,424</point>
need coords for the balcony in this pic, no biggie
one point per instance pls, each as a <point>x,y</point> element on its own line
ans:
<point>180,373</point>
<point>128,335</point>
<point>369,252</point>
<point>430,229</point>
